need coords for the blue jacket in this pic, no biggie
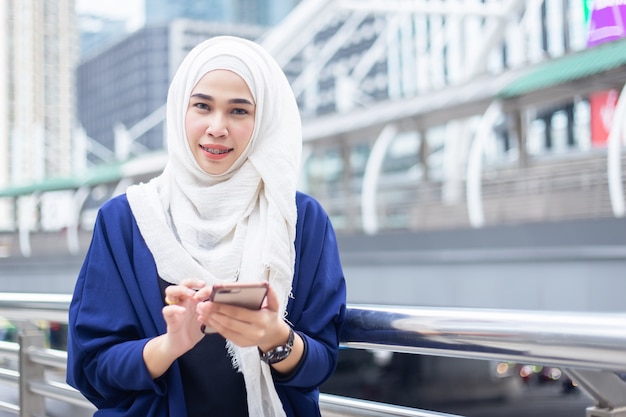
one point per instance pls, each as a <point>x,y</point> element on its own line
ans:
<point>116,309</point>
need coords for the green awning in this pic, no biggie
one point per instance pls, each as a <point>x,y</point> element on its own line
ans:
<point>98,175</point>
<point>53,184</point>
<point>568,68</point>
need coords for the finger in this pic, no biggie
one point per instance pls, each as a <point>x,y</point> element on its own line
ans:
<point>203,294</point>
<point>273,303</point>
<point>173,312</point>
<point>175,294</point>
<point>204,307</point>
<point>224,315</point>
<point>241,333</point>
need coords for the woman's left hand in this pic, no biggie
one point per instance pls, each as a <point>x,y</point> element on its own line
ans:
<point>264,328</point>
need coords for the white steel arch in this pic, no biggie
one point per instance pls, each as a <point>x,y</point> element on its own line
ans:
<point>614,159</point>
<point>360,66</point>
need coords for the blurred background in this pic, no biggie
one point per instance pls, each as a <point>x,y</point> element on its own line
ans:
<point>469,153</point>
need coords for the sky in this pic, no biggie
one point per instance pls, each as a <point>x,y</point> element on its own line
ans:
<point>129,10</point>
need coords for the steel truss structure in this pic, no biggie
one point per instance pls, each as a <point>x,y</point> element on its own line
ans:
<point>367,72</point>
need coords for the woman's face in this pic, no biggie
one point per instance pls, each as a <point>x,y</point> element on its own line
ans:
<point>219,120</point>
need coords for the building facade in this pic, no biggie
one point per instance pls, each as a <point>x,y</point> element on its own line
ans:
<point>37,99</point>
<point>253,12</point>
<point>98,32</point>
<point>38,46</point>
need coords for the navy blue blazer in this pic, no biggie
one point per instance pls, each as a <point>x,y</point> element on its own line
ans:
<point>116,309</point>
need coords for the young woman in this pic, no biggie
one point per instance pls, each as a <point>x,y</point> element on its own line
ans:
<point>144,340</point>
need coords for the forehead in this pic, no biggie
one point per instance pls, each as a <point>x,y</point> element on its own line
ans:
<point>225,81</point>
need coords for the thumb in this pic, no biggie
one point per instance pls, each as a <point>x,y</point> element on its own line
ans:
<point>273,303</point>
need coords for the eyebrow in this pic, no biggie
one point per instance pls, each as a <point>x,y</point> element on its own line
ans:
<point>233,101</point>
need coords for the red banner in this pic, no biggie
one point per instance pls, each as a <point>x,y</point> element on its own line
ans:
<point>602,106</point>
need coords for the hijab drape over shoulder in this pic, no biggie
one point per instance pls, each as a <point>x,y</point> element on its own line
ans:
<point>239,225</point>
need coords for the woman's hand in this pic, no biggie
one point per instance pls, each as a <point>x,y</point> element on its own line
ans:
<point>240,325</point>
<point>264,328</point>
<point>183,331</point>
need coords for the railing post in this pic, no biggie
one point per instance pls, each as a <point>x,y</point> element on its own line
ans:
<point>31,405</point>
<point>608,389</point>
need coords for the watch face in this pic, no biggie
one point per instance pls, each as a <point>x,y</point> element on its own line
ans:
<point>279,353</point>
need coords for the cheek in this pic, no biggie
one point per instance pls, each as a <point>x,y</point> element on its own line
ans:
<point>244,132</point>
<point>194,129</point>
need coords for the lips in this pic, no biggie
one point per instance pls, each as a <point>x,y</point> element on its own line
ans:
<point>215,149</point>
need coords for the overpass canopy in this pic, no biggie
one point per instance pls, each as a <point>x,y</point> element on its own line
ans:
<point>98,175</point>
<point>580,65</point>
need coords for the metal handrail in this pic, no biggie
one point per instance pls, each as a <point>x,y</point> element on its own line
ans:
<point>581,340</point>
<point>334,405</point>
<point>32,307</point>
<point>573,339</point>
<point>589,345</point>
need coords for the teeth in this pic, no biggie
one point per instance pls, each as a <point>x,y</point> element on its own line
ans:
<point>215,151</point>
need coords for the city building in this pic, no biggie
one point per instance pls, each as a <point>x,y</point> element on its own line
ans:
<point>251,12</point>
<point>39,50</point>
<point>98,32</point>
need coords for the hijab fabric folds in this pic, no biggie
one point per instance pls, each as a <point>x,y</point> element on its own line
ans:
<point>239,225</point>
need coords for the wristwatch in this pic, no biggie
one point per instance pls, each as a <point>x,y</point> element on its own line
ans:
<point>279,353</point>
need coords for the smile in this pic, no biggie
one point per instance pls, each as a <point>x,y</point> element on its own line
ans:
<point>216,151</point>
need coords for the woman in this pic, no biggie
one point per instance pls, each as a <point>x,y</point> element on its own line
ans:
<point>143,341</point>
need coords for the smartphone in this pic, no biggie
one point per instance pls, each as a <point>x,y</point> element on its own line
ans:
<point>249,295</point>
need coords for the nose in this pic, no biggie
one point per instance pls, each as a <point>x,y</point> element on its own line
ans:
<point>216,126</point>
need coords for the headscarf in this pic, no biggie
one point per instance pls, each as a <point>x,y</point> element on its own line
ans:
<point>239,225</point>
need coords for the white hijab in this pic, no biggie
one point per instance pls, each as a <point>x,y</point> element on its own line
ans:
<point>239,225</point>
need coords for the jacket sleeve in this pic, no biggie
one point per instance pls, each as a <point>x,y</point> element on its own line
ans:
<point>108,317</point>
<point>318,306</point>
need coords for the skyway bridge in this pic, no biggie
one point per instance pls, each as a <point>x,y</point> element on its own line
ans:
<point>409,122</point>
<point>431,165</point>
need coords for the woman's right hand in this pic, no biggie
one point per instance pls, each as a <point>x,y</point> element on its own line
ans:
<point>183,330</point>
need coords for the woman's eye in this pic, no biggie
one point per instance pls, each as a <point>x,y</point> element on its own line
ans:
<point>241,111</point>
